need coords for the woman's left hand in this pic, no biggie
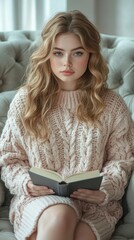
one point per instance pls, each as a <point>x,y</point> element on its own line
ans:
<point>92,196</point>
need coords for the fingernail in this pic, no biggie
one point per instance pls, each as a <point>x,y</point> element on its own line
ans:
<point>51,191</point>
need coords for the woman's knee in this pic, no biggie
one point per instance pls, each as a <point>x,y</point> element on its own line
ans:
<point>60,215</point>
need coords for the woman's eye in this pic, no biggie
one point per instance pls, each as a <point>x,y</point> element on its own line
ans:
<point>58,54</point>
<point>78,54</point>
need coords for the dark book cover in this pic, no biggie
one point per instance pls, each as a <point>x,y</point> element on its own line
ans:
<point>63,188</point>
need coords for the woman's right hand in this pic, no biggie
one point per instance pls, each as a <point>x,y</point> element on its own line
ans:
<point>36,191</point>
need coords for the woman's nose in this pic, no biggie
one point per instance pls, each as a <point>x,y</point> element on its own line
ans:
<point>67,65</point>
<point>67,62</point>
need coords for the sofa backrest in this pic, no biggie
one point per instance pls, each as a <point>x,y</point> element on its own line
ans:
<point>119,54</point>
<point>15,50</point>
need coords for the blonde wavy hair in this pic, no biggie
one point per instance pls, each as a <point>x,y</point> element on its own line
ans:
<point>41,83</point>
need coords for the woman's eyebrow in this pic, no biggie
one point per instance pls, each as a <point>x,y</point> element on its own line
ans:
<point>74,49</point>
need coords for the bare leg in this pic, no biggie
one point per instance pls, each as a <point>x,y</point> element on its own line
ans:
<point>84,232</point>
<point>57,222</point>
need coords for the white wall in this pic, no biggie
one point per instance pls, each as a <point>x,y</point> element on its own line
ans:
<point>88,7</point>
<point>110,16</point>
<point>53,6</point>
<point>115,17</point>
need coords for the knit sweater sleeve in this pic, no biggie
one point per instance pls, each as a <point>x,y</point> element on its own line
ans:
<point>119,158</point>
<point>13,158</point>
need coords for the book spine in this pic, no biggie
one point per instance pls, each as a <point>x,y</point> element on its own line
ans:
<point>63,189</point>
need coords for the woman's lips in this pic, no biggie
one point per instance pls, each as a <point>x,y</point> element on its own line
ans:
<point>67,72</point>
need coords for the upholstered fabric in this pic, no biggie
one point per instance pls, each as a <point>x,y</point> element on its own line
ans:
<point>2,193</point>
<point>126,228</point>
<point>6,230</point>
<point>15,49</point>
<point>5,100</point>
<point>119,54</point>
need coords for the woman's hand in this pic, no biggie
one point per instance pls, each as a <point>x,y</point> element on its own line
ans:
<point>92,196</point>
<point>36,191</point>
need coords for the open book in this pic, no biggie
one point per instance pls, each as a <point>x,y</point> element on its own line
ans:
<point>65,186</point>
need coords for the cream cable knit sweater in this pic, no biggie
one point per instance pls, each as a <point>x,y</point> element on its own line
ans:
<point>73,147</point>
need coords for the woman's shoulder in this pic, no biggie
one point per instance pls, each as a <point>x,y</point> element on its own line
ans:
<point>115,106</point>
<point>19,101</point>
<point>114,101</point>
<point>21,94</point>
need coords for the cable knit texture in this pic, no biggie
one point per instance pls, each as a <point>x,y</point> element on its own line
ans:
<point>73,147</point>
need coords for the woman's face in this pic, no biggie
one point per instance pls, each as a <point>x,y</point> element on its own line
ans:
<point>68,60</point>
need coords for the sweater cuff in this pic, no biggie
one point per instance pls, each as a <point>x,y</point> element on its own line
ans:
<point>109,193</point>
<point>106,200</point>
<point>23,189</point>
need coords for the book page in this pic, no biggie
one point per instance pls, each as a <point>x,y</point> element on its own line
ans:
<point>47,173</point>
<point>57,177</point>
<point>83,176</point>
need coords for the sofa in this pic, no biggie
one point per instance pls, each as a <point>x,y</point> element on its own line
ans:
<point>15,50</point>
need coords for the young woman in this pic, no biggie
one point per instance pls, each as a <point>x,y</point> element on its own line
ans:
<point>65,119</point>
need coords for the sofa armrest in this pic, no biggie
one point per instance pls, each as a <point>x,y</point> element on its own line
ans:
<point>5,100</point>
<point>126,229</point>
<point>2,192</point>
